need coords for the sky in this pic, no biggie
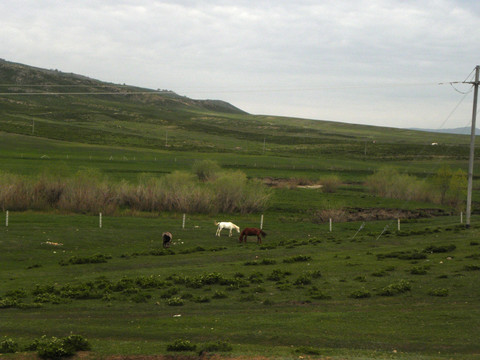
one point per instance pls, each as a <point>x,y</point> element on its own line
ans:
<point>376,62</point>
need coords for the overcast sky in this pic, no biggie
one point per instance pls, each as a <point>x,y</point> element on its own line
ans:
<point>375,62</point>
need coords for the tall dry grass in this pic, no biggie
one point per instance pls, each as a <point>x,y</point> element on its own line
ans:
<point>446,187</point>
<point>89,191</point>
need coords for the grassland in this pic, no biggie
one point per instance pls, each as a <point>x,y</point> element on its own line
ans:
<point>305,287</point>
<point>362,291</point>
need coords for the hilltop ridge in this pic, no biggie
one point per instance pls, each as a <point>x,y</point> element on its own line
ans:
<point>64,106</point>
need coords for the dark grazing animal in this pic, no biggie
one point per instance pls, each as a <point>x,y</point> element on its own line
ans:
<point>167,239</point>
<point>252,231</point>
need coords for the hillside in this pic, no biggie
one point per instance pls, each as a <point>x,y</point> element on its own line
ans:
<point>63,106</point>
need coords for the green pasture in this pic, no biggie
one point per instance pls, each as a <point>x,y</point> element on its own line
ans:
<point>302,288</point>
<point>365,290</point>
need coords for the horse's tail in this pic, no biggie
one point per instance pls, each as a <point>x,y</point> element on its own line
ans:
<point>263,233</point>
<point>215,222</point>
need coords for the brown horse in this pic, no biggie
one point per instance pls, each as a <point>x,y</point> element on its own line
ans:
<point>252,231</point>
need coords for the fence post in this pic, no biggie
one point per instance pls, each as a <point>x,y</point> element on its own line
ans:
<point>261,222</point>
<point>461,217</point>
<point>330,224</point>
<point>183,222</point>
<point>398,224</point>
<point>6,219</point>
<point>100,220</point>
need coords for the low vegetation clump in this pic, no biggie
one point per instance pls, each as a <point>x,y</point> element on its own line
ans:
<point>440,292</point>
<point>57,348</point>
<point>298,258</point>
<point>181,345</point>
<point>94,259</point>
<point>307,350</point>
<point>8,345</point>
<point>399,287</point>
<point>403,255</point>
<point>330,183</point>
<point>360,294</point>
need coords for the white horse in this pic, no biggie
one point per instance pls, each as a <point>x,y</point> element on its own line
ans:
<point>226,225</point>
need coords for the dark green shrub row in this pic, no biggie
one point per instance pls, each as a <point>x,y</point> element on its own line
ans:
<point>261,262</point>
<point>403,255</point>
<point>52,349</point>
<point>77,260</point>
<point>180,345</point>
<point>298,258</point>
<point>440,248</point>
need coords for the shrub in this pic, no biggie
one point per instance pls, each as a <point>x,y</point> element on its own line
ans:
<point>307,350</point>
<point>175,301</point>
<point>17,294</point>
<point>439,249</point>
<point>219,346</point>
<point>303,279</point>
<point>206,170</point>
<point>278,275</point>
<point>330,183</point>
<point>389,182</point>
<point>8,303</point>
<point>94,259</point>
<point>316,293</point>
<point>268,302</point>
<point>169,293</point>
<point>77,342</point>
<point>201,299</point>
<point>360,294</point>
<point>399,287</point>
<point>419,270</point>
<point>219,295</point>
<point>441,292</point>
<point>298,258</point>
<point>54,349</point>
<point>181,345</point>
<point>8,345</point>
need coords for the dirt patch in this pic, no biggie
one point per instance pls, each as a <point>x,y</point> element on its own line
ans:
<point>317,186</point>
<point>291,183</point>
<point>370,214</point>
<point>205,356</point>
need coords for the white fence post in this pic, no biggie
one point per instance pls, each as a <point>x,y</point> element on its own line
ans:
<point>261,222</point>
<point>100,220</point>
<point>183,222</point>
<point>330,224</point>
<point>6,219</point>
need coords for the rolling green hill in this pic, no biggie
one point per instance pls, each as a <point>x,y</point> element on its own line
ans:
<point>63,106</point>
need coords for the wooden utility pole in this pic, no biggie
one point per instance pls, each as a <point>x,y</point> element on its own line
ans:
<point>472,147</point>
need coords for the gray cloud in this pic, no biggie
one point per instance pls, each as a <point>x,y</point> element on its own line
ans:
<point>336,60</point>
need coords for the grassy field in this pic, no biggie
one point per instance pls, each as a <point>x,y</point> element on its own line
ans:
<point>345,293</point>
<point>364,290</point>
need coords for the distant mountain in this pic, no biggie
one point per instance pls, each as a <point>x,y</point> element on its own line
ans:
<point>459,131</point>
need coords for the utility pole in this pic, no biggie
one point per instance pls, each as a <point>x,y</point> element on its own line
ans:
<point>472,147</point>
